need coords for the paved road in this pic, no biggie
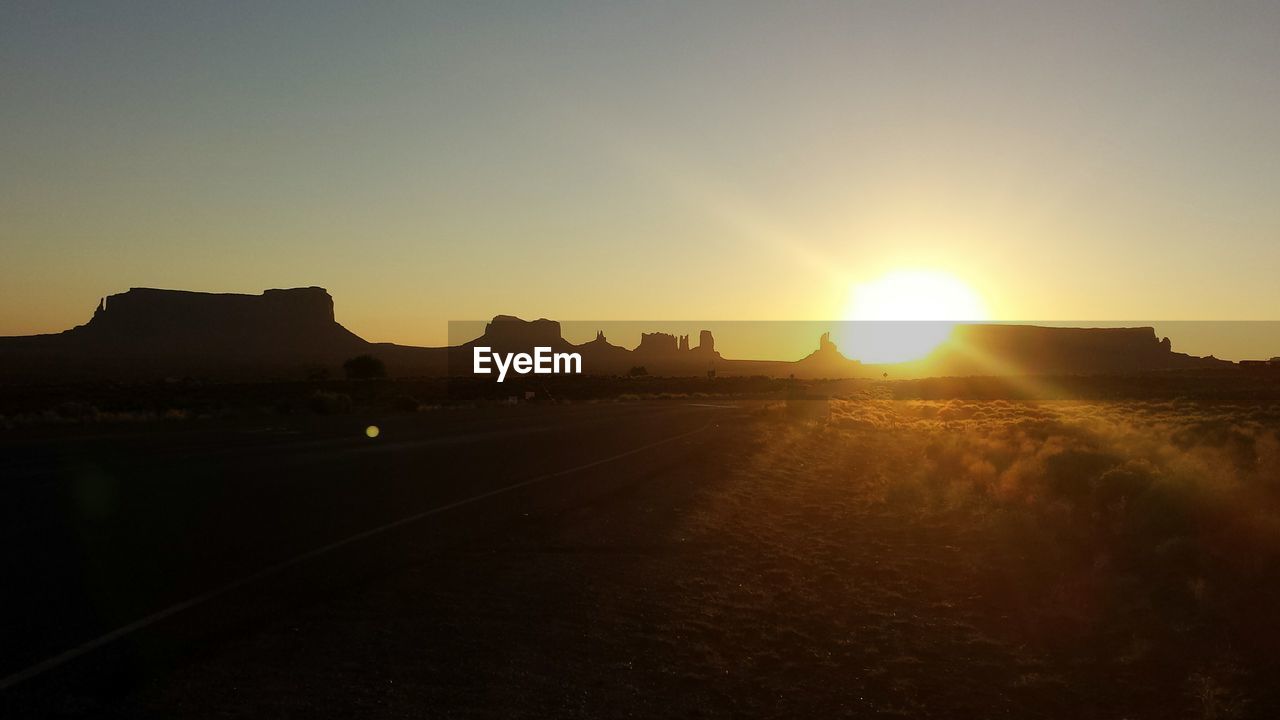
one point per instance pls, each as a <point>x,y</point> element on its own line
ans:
<point>127,554</point>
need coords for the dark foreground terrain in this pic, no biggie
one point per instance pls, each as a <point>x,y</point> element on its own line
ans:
<point>687,557</point>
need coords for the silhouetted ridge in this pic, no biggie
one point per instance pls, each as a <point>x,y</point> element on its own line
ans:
<point>148,331</point>
<point>827,360</point>
<point>1003,349</point>
<point>508,333</point>
<point>293,333</point>
<point>659,343</point>
<point>297,322</point>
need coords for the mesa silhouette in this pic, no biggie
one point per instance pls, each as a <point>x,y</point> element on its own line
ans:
<point>292,333</point>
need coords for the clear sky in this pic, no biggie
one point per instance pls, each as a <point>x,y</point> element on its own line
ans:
<point>647,160</point>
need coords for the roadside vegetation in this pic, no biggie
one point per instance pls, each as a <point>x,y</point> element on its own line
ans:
<point>1119,555</point>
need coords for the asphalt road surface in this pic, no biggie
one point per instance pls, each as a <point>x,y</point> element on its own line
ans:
<point>188,570</point>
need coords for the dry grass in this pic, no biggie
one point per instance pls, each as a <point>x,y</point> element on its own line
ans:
<point>1040,558</point>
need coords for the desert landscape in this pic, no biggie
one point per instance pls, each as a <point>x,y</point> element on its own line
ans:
<point>729,359</point>
<point>939,548</point>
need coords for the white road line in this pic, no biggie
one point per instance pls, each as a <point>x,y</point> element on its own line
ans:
<point>60,659</point>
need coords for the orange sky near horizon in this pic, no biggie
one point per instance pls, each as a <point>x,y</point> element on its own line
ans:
<point>741,161</point>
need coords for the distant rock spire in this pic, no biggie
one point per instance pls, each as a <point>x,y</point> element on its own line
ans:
<point>706,343</point>
<point>825,344</point>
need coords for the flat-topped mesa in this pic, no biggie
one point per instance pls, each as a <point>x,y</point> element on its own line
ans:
<point>512,334</point>
<point>153,307</point>
<point>1039,349</point>
<point>657,343</point>
<point>183,322</point>
<point>660,343</point>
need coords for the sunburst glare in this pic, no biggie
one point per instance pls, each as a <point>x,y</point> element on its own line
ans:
<point>905,314</point>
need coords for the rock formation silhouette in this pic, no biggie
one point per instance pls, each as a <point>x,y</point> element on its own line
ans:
<point>826,361</point>
<point>706,343</point>
<point>825,345</point>
<point>147,332</point>
<point>1000,349</point>
<point>507,333</point>
<point>288,322</point>
<point>657,343</point>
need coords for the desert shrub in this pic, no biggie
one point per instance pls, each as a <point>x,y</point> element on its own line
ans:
<point>316,373</point>
<point>404,403</point>
<point>1126,543</point>
<point>329,403</point>
<point>364,367</point>
<point>1164,503</point>
<point>73,410</point>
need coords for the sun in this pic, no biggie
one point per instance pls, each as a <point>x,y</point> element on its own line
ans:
<point>905,314</point>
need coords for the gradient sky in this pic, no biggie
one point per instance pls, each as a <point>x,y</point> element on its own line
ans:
<point>649,160</point>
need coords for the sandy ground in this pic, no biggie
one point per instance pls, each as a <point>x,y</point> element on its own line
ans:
<point>768,567</point>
